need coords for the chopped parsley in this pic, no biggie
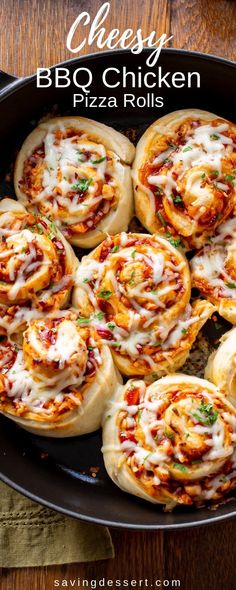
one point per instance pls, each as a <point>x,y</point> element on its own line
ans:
<point>85,280</point>
<point>115,248</point>
<point>169,434</point>
<point>39,228</point>
<point>99,315</point>
<point>158,191</point>
<point>139,415</point>
<point>231,285</point>
<point>161,219</point>
<point>83,320</point>
<point>177,199</point>
<point>133,253</point>
<point>203,175</point>
<point>80,154</point>
<point>214,136</point>
<point>208,414</point>
<point>184,331</point>
<point>131,282</point>
<point>180,467</point>
<point>173,241</point>
<point>105,294</point>
<point>215,172</point>
<point>111,326</point>
<point>99,160</point>
<point>230,178</point>
<point>187,149</point>
<point>82,184</point>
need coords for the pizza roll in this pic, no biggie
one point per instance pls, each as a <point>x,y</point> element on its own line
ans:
<point>57,382</point>
<point>37,263</point>
<point>214,270</point>
<point>77,171</point>
<point>221,366</point>
<point>172,442</point>
<point>184,175</point>
<point>135,290</point>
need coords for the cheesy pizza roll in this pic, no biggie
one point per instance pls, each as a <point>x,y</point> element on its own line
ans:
<point>135,290</point>
<point>184,175</point>
<point>77,171</point>
<point>37,264</point>
<point>221,366</point>
<point>172,442</point>
<point>58,381</point>
<point>214,270</point>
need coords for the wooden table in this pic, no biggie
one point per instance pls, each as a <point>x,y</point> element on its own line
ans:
<point>33,33</point>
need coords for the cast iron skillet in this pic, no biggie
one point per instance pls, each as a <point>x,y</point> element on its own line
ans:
<point>57,473</point>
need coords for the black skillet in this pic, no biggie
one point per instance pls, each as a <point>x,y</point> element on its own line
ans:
<point>57,473</point>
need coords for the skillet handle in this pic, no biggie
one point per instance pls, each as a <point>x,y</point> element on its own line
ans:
<point>6,80</point>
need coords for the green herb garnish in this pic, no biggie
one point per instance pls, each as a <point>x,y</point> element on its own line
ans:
<point>115,248</point>
<point>187,149</point>
<point>180,467</point>
<point>214,136</point>
<point>231,285</point>
<point>230,178</point>
<point>99,160</point>
<point>83,320</point>
<point>209,416</point>
<point>177,199</point>
<point>173,241</point>
<point>158,191</point>
<point>139,415</point>
<point>169,434</point>
<point>161,219</point>
<point>99,315</point>
<point>39,228</point>
<point>104,294</point>
<point>82,184</point>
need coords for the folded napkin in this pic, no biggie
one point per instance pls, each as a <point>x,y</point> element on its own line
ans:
<point>31,535</point>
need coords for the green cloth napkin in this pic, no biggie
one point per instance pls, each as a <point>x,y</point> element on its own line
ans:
<point>31,535</point>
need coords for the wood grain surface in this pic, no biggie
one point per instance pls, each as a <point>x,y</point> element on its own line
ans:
<point>33,33</point>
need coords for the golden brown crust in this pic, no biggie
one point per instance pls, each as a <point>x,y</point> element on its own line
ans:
<point>135,290</point>
<point>58,381</point>
<point>160,442</point>
<point>94,154</point>
<point>37,265</point>
<point>181,192</point>
<point>213,270</point>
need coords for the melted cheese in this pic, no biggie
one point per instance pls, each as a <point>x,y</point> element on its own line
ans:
<point>205,148</point>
